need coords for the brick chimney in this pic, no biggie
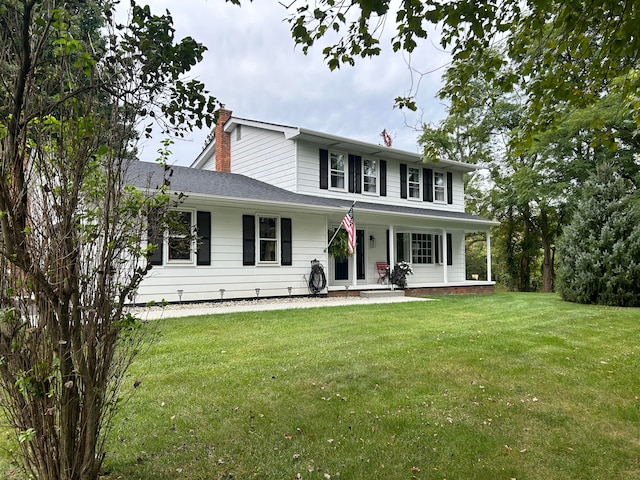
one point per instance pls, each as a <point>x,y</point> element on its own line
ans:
<point>223,142</point>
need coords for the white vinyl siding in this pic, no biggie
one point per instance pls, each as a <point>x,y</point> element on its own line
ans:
<point>264,155</point>
<point>226,271</point>
<point>308,183</point>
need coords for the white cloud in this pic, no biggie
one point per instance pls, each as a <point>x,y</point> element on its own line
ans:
<point>253,67</point>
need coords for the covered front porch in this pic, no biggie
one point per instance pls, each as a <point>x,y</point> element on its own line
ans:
<point>435,249</point>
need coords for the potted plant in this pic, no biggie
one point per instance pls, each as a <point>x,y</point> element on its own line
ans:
<point>339,248</point>
<point>399,274</point>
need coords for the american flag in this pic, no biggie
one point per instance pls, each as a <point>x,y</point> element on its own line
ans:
<point>350,227</point>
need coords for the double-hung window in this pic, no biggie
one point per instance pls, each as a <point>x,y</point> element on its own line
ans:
<point>180,237</point>
<point>370,176</point>
<point>268,239</point>
<point>337,170</point>
<point>439,187</point>
<point>413,177</point>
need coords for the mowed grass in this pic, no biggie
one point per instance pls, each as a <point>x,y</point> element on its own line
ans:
<point>501,386</point>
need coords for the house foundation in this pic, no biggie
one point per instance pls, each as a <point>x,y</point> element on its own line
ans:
<point>469,288</point>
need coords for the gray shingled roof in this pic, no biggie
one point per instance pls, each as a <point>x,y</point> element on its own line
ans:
<point>234,186</point>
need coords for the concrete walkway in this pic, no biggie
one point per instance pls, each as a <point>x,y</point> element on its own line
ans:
<point>195,309</point>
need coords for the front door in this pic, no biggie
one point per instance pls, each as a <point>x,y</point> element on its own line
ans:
<point>360,266</point>
<point>342,268</point>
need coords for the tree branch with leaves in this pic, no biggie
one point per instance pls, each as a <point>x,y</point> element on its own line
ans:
<point>74,88</point>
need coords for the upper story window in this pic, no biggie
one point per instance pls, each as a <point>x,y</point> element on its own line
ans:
<point>413,177</point>
<point>439,187</point>
<point>351,173</point>
<point>337,173</point>
<point>370,176</point>
<point>268,239</point>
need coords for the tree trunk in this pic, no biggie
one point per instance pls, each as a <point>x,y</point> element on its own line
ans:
<point>547,262</point>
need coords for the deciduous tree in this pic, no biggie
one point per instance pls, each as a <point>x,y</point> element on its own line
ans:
<point>568,53</point>
<point>74,87</point>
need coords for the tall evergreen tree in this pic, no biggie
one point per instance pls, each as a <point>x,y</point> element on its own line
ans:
<point>599,251</point>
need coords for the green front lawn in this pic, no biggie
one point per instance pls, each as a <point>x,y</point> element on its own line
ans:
<point>502,386</point>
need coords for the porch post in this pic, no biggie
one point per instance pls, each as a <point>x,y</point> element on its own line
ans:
<point>392,248</point>
<point>488,255</point>
<point>445,272</point>
<point>355,265</point>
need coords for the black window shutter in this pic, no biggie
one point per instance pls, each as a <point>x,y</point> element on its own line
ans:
<point>324,169</point>
<point>427,191</point>
<point>403,180</point>
<point>358,174</point>
<point>388,252</point>
<point>449,188</point>
<point>352,173</point>
<point>154,235</point>
<point>383,178</point>
<point>449,250</point>
<point>203,255</point>
<point>436,245</point>
<point>248,240</point>
<point>286,250</point>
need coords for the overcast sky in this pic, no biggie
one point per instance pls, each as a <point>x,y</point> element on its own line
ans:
<point>253,67</point>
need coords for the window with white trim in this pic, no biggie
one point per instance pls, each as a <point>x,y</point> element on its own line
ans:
<point>180,238</point>
<point>419,248</point>
<point>439,187</point>
<point>413,181</point>
<point>370,176</point>
<point>268,239</point>
<point>337,170</point>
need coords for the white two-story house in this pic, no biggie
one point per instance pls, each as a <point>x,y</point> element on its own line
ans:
<point>264,199</point>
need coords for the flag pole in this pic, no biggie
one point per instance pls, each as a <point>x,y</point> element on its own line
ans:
<point>337,231</point>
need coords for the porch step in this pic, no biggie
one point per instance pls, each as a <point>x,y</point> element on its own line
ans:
<point>381,293</point>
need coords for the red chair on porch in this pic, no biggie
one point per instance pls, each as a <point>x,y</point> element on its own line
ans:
<point>383,270</point>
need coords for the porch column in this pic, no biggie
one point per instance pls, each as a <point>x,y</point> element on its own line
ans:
<point>355,266</point>
<point>392,248</point>
<point>488,255</point>
<point>445,272</point>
